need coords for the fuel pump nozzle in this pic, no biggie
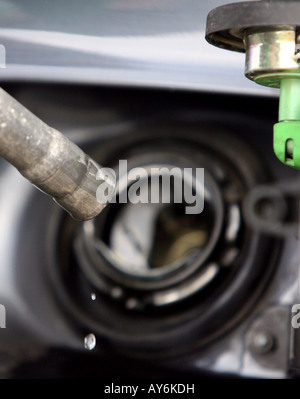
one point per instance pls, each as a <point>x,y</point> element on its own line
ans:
<point>51,162</point>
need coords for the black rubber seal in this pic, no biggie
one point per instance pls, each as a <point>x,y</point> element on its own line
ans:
<point>225,25</point>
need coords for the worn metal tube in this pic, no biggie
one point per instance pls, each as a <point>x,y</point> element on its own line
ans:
<point>50,161</point>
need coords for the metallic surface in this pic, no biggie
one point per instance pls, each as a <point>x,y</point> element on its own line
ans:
<point>273,196</point>
<point>265,30</point>
<point>268,338</point>
<point>49,160</point>
<point>136,255</point>
<point>162,331</point>
<point>37,323</point>
<point>226,24</point>
<point>272,51</point>
<point>43,44</point>
<point>120,43</point>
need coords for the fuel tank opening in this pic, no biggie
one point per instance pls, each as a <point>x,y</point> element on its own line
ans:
<point>150,279</point>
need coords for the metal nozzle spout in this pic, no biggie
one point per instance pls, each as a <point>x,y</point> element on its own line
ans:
<point>50,161</point>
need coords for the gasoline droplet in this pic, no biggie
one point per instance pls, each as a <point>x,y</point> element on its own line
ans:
<point>89,342</point>
<point>93,296</point>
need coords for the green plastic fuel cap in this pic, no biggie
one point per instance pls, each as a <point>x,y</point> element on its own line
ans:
<point>286,140</point>
<point>287,143</point>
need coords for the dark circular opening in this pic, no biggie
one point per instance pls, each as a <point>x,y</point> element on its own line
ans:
<point>144,237</point>
<point>167,236</point>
